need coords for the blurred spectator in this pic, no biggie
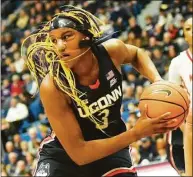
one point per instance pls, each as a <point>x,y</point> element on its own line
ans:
<point>5,90</point>
<point>161,149</point>
<point>167,42</point>
<point>36,108</point>
<point>134,27</point>
<point>153,43</point>
<point>22,20</point>
<point>21,169</point>
<point>17,111</point>
<point>32,23</point>
<point>9,147</point>
<point>118,25</point>
<point>14,48</point>
<point>39,19</point>
<point>104,16</point>
<point>8,40</point>
<point>138,92</point>
<point>132,40</point>
<point>149,26</point>
<point>5,67</point>
<point>11,167</point>
<point>16,86</point>
<point>132,116</point>
<point>147,149</point>
<point>159,61</point>
<point>39,8</point>
<point>34,142</point>
<point>158,32</point>
<point>172,53</point>
<point>133,80</point>
<point>164,17</point>
<point>19,62</point>
<point>30,166</point>
<point>33,12</point>
<point>144,39</point>
<point>17,141</point>
<point>180,29</point>
<point>173,31</point>
<point>29,84</point>
<point>24,149</point>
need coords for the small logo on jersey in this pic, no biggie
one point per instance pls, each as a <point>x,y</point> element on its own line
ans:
<point>168,92</point>
<point>110,75</point>
<point>113,82</point>
<point>43,170</point>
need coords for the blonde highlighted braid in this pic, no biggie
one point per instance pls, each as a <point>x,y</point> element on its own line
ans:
<point>43,58</point>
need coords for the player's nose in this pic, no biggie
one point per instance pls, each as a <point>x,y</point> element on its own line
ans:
<point>61,45</point>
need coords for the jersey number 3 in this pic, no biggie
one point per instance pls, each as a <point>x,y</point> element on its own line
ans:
<point>104,119</point>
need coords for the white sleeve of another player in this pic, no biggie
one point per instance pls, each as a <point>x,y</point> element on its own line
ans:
<point>174,75</point>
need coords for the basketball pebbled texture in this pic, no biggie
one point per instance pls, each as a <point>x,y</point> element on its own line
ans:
<point>164,96</point>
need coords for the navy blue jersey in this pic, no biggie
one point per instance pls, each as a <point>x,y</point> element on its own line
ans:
<point>104,101</point>
<point>106,97</point>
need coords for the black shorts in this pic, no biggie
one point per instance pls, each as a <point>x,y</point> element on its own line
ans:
<point>176,157</point>
<point>53,161</point>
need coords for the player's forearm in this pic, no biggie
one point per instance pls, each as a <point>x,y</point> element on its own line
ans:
<point>97,149</point>
<point>145,66</point>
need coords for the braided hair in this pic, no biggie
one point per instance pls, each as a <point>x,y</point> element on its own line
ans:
<point>42,56</point>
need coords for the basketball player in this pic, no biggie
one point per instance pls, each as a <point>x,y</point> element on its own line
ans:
<point>80,87</point>
<point>180,71</point>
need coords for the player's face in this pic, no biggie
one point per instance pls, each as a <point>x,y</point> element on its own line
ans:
<point>188,31</point>
<point>67,41</point>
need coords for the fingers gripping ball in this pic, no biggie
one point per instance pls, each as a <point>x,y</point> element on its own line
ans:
<point>164,96</point>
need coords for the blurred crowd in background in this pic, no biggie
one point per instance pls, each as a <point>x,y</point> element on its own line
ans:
<point>24,123</point>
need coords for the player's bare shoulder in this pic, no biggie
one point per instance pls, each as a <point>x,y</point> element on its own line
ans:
<point>47,85</point>
<point>48,90</point>
<point>116,50</point>
<point>115,47</point>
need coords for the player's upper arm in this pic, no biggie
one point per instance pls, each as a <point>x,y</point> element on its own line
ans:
<point>120,52</point>
<point>173,73</point>
<point>61,118</point>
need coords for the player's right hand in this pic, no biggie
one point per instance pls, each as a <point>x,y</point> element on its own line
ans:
<point>146,126</point>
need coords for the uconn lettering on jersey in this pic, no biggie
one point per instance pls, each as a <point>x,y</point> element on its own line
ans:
<point>102,103</point>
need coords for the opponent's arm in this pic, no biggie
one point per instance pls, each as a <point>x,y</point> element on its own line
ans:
<point>124,53</point>
<point>66,127</point>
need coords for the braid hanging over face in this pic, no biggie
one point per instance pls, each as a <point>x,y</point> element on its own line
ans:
<point>43,58</point>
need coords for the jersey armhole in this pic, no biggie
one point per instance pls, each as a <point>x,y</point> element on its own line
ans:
<point>106,54</point>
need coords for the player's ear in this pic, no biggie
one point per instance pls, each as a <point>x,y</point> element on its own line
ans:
<point>85,42</point>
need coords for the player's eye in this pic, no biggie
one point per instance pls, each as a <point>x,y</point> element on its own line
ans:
<point>54,40</point>
<point>67,36</point>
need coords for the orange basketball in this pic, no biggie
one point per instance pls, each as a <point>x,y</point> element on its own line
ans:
<point>164,96</point>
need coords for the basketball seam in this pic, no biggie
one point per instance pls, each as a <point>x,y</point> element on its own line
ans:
<point>174,89</point>
<point>168,102</point>
<point>162,101</point>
